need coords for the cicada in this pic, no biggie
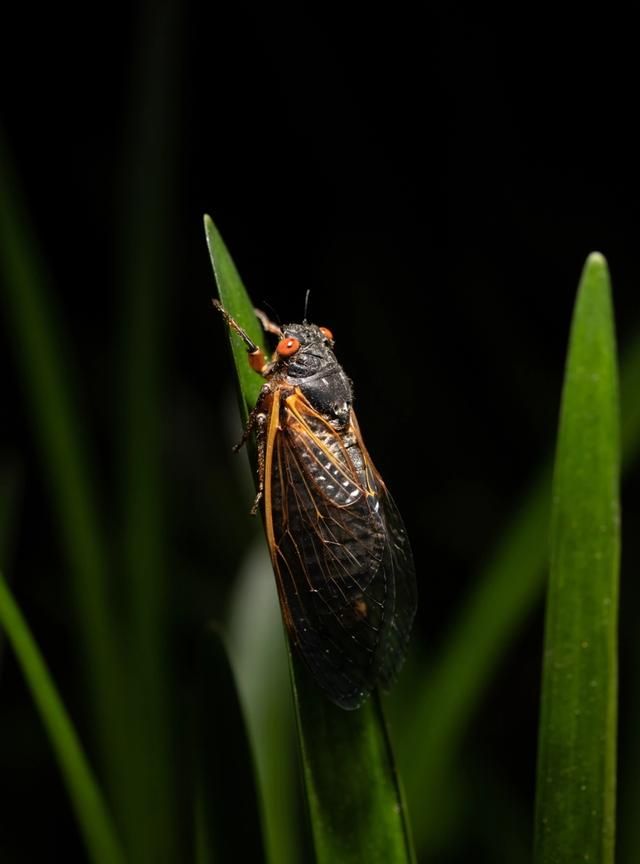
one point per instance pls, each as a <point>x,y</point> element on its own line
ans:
<point>340,552</point>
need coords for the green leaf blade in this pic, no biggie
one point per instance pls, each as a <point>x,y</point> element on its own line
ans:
<point>575,808</point>
<point>445,700</point>
<point>355,802</point>
<point>91,812</point>
<point>60,433</point>
<point>259,660</point>
<point>146,793</point>
<point>235,300</point>
<point>353,792</point>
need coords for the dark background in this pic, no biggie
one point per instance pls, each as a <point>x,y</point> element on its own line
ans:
<point>437,183</point>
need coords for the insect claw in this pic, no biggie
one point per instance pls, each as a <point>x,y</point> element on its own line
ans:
<point>256,504</point>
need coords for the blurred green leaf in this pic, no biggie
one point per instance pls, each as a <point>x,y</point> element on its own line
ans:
<point>354,799</point>
<point>40,346</point>
<point>230,828</point>
<point>90,809</point>
<point>147,804</point>
<point>10,491</point>
<point>575,806</point>
<point>11,483</point>
<point>259,657</point>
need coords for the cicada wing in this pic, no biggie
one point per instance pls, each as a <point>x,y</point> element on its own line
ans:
<point>328,549</point>
<point>400,570</point>
<point>399,573</point>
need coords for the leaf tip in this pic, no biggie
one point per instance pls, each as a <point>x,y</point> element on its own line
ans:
<point>595,280</point>
<point>215,245</point>
<point>209,228</point>
<point>596,260</point>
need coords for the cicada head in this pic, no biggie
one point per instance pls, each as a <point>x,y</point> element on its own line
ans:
<point>305,350</point>
<point>304,358</point>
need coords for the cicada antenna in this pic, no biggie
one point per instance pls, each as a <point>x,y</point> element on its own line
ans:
<point>306,305</point>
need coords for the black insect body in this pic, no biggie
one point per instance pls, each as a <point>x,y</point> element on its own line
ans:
<point>339,548</point>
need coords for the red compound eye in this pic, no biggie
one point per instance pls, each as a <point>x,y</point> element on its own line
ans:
<point>326,332</point>
<point>287,347</point>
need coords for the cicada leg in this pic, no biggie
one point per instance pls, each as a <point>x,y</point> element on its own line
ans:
<point>258,422</point>
<point>261,437</point>
<point>257,360</point>
<point>267,324</point>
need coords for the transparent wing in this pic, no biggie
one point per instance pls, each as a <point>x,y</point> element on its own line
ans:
<point>399,566</point>
<point>337,545</point>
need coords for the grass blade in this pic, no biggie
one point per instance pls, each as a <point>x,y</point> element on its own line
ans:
<point>39,344</point>
<point>575,807</point>
<point>148,185</point>
<point>259,658</point>
<point>235,300</point>
<point>280,836</point>
<point>507,589</point>
<point>11,483</point>
<point>88,804</point>
<point>10,493</point>
<point>355,805</point>
<point>228,814</point>
<point>355,802</point>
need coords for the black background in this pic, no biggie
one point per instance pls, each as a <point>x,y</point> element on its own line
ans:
<point>436,181</point>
